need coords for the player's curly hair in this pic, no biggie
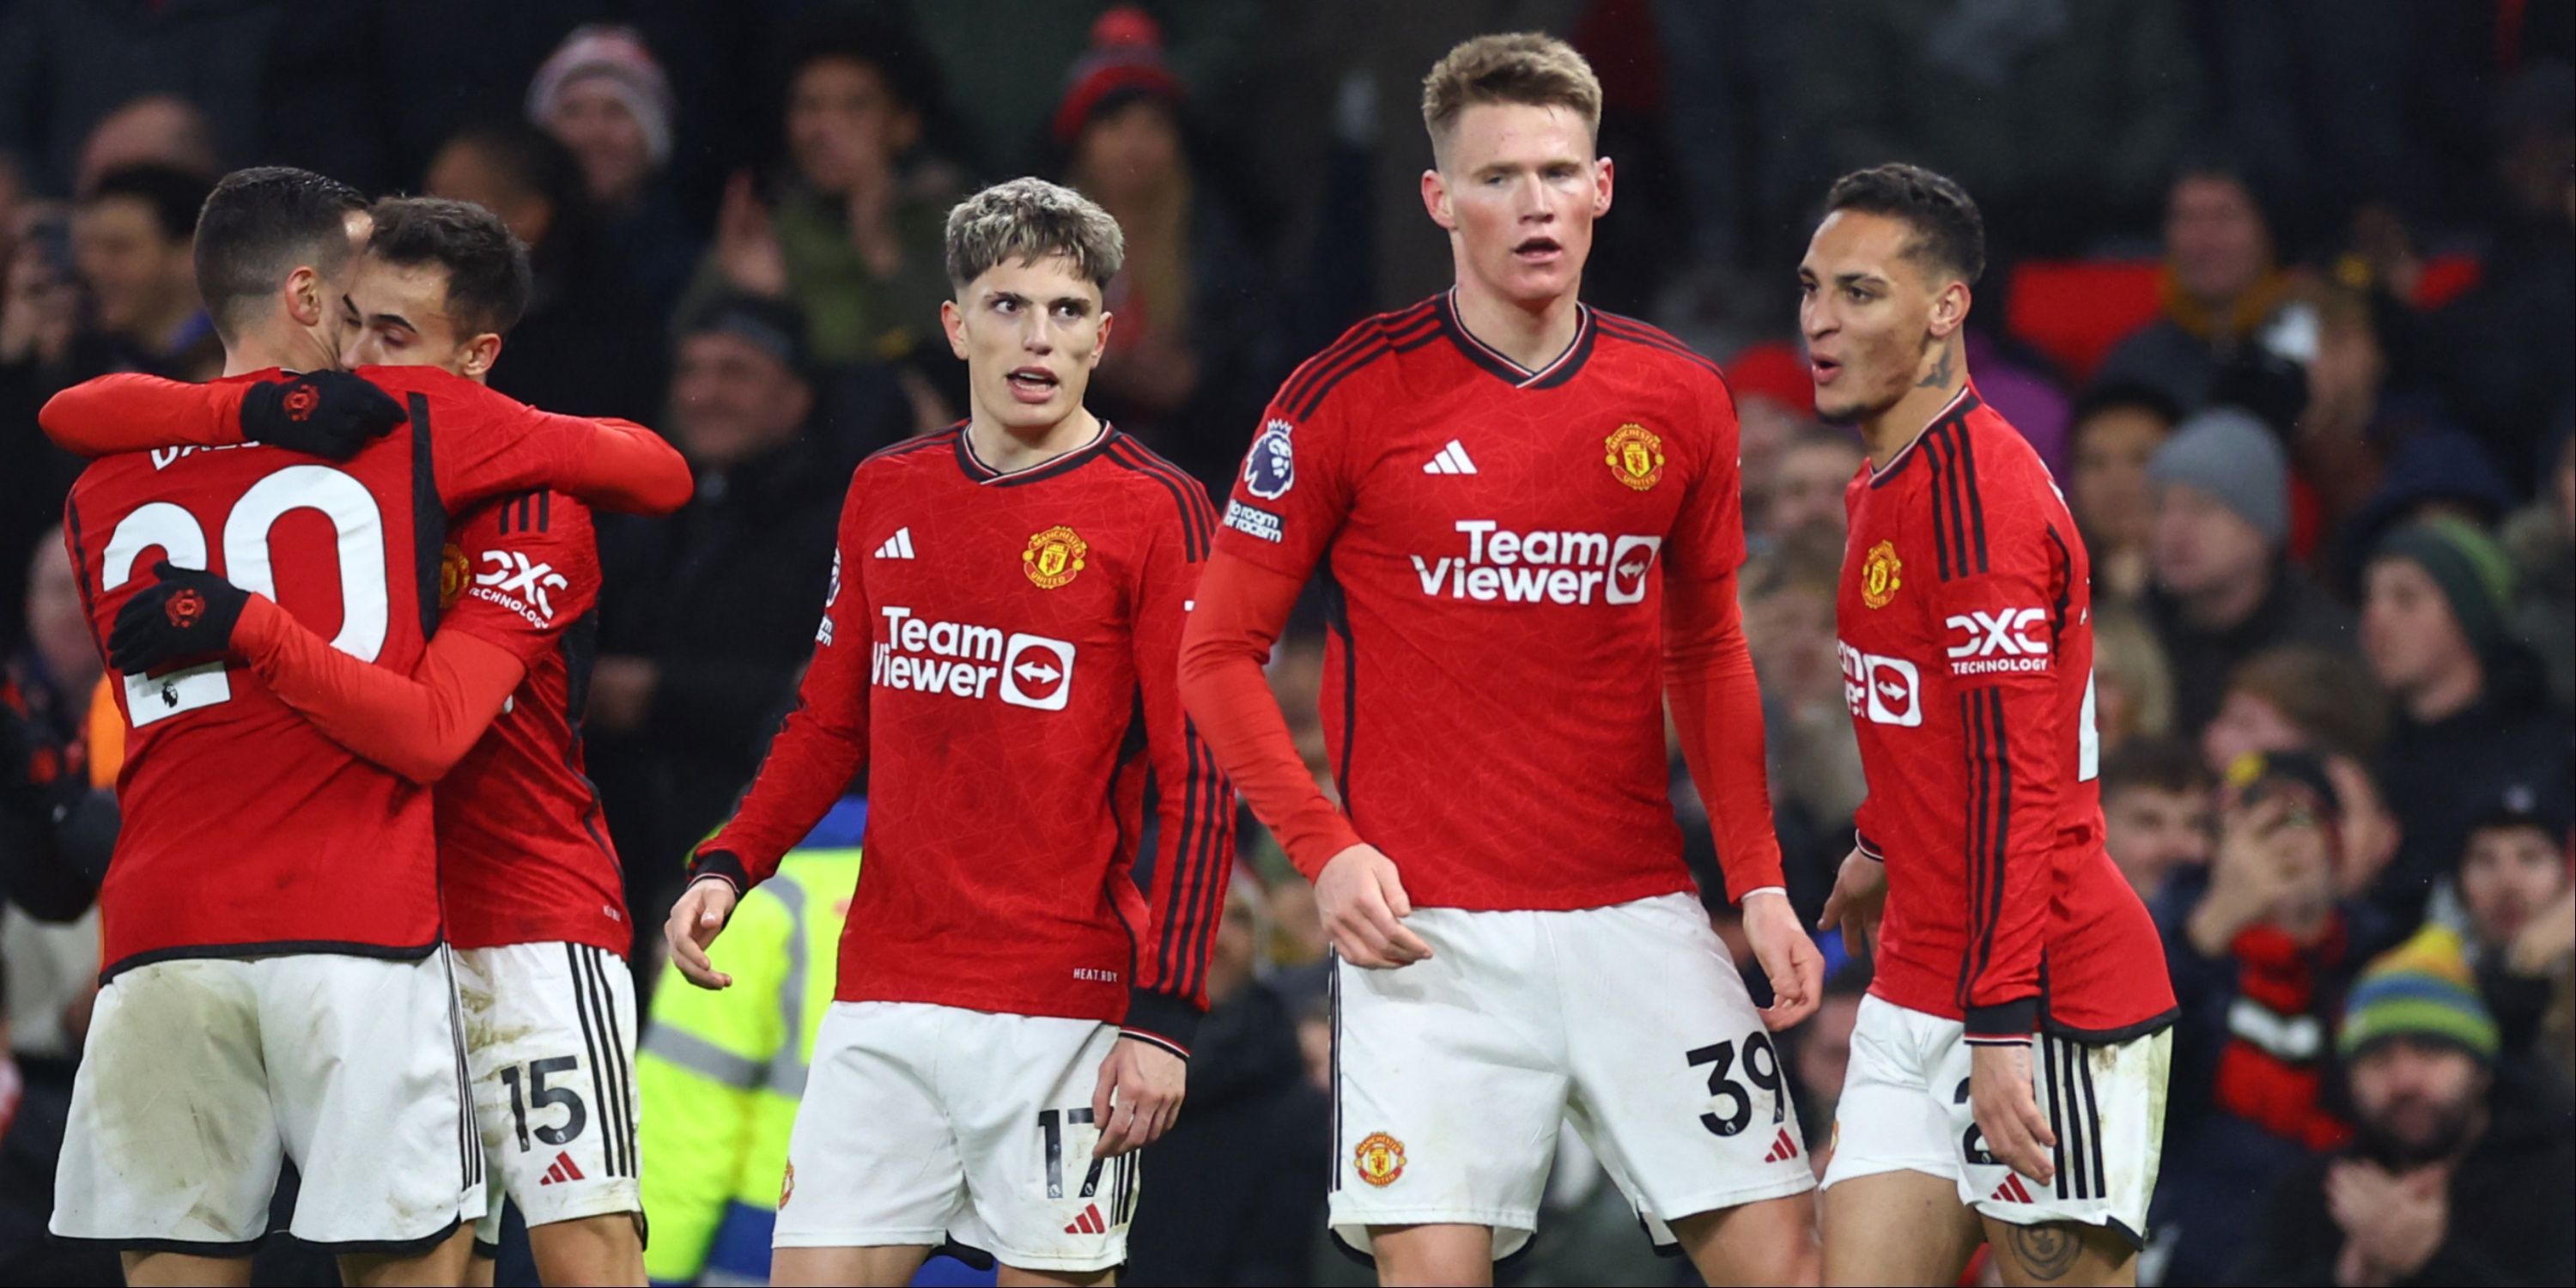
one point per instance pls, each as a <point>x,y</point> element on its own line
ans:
<point>1948,231</point>
<point>1525,67</point>
<point>488,277</point>
<point>1032,219</point>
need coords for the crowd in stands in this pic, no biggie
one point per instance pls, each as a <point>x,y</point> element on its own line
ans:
<point>2283,293</point>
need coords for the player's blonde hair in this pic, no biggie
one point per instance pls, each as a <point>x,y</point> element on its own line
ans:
<point>1524,67</point>
<point>1032,219</point>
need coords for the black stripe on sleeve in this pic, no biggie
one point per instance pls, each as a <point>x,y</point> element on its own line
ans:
<point>1193,804</point>
<point>1207,862</point>
<point>1975,513</point>
<point>1307,385</point>
<point>428,518</point>
<point>1931,452</point>
<point>1635,332</point>
<point>1972,848</point>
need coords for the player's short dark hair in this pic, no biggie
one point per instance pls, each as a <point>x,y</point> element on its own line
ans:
<point>173,195</point>
<point>487,269</point>
<point>2125,393</point>
<point>1948,231</point>
<point>263,223</point>
<point>2167,765</point>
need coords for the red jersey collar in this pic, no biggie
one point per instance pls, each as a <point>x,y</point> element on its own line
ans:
<point>1955,410</point>
<point>980,472</point>
<point>1558,370</point>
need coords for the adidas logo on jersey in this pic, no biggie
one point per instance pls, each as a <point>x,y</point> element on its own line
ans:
<point>1450,460</point>
<point>1782,1149</point>
<point>1089,1222</point>
<point>898,546</point>
<point>2011,1191</point>
<point>564,1169</point>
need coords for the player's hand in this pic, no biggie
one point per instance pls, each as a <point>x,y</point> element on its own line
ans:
<point>1789,959</point>
<point>696,920</point>
<point>1138,1097</point>
<point>1364,906</point>
<point>1999,1092</point>
<point>1858,900</point>
<point>330,414</point>
<point>184,613</point>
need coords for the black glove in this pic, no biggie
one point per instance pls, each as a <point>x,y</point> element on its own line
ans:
<point>330,414</point>
<point>186,614</point>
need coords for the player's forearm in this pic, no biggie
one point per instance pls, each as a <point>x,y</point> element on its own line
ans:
<point>1717,709</point>
<point>133,412</point>
<point>416,725</point>
<point>628,468</point>
<point>1240,610</point>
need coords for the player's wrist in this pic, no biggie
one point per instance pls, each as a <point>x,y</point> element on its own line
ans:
<point>720,865</point>
<point>1169,1022</point>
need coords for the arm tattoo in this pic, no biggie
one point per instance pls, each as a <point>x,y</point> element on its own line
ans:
<point>2046,1252</point>
<point>1939,376</point>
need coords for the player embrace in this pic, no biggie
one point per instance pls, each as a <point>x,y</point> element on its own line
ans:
<point>1528,514</point>
<point>998,653</point>
<point>1967,655</point>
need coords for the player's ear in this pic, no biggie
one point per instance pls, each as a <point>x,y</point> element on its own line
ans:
<point>301,296</point>
<point>480,353</point>
<point>1435,199</point>
<point>953,321</point>
<point>1950,309</point>
<point>1601,187</point>
<point>1100,340</point>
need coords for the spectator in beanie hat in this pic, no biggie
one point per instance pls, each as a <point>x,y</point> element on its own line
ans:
<point>2222,591</point>
<point>2520,905</point>
<point>603,96</point>
<point>2469,705</point>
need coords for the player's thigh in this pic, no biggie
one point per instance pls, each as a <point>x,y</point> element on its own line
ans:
<point>1014,1277</point>
<point>171,1136</point>
<point>1898,1227</point>
<point>1433,1254</point>
<point>872,1160</point>
<point>1677,1086</point>
<point>550,1031</point>
<point>175,1269</point>
<point>886,1265</point>
<point>443,1262</point>
<point>603,1249</point>
<point>1449,1082</point>
<point>2061,1252</point>
<point>2105,1103</point>
<point>1019,1089</point>
<point>366,1063</point>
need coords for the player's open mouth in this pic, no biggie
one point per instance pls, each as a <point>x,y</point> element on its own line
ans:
<point>1032,384</point>
<point>1823,369</point>
<point>1536,250</point>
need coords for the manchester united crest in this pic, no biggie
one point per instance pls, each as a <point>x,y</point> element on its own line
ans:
<point>1881,575</point>
<point>1380,1159</point>
<point>1054,557</point>
<point>787,1188</point>
<point>454,571</point>
<point>1635,455</point>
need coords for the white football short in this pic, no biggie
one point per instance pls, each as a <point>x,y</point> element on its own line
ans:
<point>924,1125</point>
<point>1905,1108</point>
<point>1451,1075</point>
<point>550,1044</point>
<point>203,1074</point>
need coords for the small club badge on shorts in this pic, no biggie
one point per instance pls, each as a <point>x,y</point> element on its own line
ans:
<point>1879,579</point>
<point>1635,455</point>
<point>787,1188</point>
<point>1380,1159</point>
<point>1054,557</point>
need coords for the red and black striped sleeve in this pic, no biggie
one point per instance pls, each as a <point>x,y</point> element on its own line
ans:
<point>2000,575</point>
<point>1194,855</point>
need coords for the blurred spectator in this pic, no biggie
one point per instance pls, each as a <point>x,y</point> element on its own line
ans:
<point>2133,687</point>
<point>2261,952</point>
<point>67,65</point>
<point>56,830</point>
<point>2296,698</point>
<point>1816,779</point>
<point>1807,485</point>
<point>1227,1223</point>
<point>2223,287</point>
<point>2223,591</point>
<point>588,345</point>
<point>602,96</point>
<point>706,614</point>
<point>2155,812</point>
<point>2471,717</point>
<point>2438,471</point>
<point>158,129</point>
<point>854,238</point>
<point>2515,887</point>
<point>1188,319</point>
<point>2542,540</point>
<point>2461,1172</point>
<point>2114,431</point>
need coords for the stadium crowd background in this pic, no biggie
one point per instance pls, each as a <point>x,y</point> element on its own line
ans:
<point>2285,293</point>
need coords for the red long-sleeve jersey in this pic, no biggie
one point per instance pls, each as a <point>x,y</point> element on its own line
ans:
<point>1522,564</point>
<point>1965,616</point>
<point>999,653</point>
<point>246,830</point>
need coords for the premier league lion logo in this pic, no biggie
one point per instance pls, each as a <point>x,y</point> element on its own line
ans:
<point>1271,469</point>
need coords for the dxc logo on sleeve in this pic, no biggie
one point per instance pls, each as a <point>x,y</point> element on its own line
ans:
<point>518,583</point>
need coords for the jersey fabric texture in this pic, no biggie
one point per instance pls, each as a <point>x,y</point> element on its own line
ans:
<point>1965,621</point>
<point>999,651</point>
<point>1490,538</point>
<point>246,830</point>
<point>523,849</point>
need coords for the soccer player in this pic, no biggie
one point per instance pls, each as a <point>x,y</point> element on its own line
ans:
<point>998,651</point>
<point>1965,617</point>
<point>1491,481</point>
<point>274,984</point>
<point>530,884</point>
